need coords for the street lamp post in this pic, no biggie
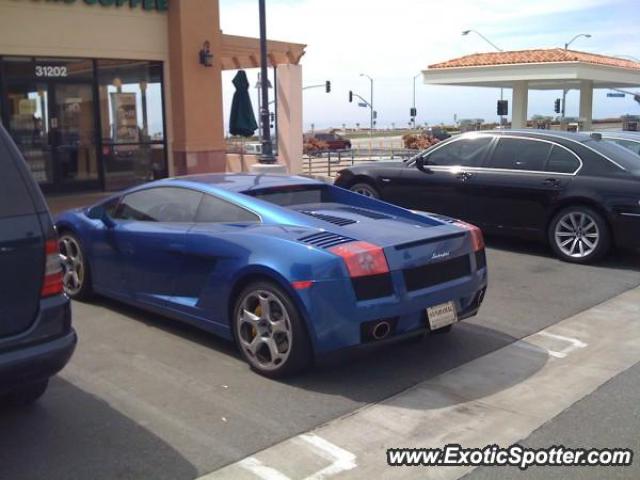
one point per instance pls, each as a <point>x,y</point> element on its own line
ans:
<point>564,90</point>
<point>414,111</point>
<point>267,144</point>
<point>467,32</point>
<point>371,112</point>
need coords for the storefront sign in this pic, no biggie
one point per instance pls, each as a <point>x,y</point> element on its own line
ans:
<point>160,5</point>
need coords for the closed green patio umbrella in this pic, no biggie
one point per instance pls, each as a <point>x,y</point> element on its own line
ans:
<point>242,121</point>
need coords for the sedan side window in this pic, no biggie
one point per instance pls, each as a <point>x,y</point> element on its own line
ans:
<point>160,204</point>
<point>562,161</point>
<point>520,154</point>
<point>468,152</point>
<point>215,210</point>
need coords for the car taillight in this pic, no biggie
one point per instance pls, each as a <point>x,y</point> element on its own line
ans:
<point>477,239</point>
<point>362,258</point>
<point>52,283</point>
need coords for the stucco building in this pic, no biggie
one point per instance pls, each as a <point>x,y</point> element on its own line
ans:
<point>102,94</point>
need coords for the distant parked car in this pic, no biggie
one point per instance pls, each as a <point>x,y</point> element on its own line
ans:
<point>630,140</point>
<point>576,192</point>
<point>333,140</point>
<point>438,132</point>
<point>36,338</point>
<point>288,267</point>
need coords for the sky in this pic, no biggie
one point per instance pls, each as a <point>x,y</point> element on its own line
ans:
<point>394,41</point>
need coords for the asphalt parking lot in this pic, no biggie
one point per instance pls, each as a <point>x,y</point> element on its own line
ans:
<point>146,397</point>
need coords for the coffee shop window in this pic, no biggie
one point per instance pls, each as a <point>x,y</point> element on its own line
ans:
<point>131,122</point>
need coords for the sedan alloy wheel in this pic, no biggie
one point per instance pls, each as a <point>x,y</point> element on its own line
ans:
<point>577,234</point>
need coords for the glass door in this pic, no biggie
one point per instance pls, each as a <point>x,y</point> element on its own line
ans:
<point>73,135</point>
<point>28,109</point>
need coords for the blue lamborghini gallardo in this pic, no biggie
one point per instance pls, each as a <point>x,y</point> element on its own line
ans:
<point>287,267</point>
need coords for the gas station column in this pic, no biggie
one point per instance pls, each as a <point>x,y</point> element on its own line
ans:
<point>520,104</point>
<point>586,103</point>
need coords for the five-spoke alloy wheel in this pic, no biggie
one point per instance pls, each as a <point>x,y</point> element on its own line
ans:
<point>76,274</point>
<point>269,331</point>
<point>579,234</point>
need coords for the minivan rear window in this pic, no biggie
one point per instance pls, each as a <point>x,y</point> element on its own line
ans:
<point>15,198</point>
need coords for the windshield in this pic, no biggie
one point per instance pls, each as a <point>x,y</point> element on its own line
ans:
<point>619,154</point>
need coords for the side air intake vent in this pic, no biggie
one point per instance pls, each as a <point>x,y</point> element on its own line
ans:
<point>329,218</point>
<point>325,239</point>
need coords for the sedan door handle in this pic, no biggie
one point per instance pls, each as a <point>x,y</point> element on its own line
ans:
<point>464,176</point>
<point>554,182</point>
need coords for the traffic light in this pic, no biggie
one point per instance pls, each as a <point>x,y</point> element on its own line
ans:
<point>556,105</point>
<point>413,112</point>
<point>350,96</point>
<point>503,107</point>
<point>327,86</point>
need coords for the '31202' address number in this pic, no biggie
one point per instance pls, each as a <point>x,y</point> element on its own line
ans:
<point>50,71</point>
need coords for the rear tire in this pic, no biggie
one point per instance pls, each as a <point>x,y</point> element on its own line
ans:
<point>269,331</point>
<point>27,394</point>
<point>365,189</point>
<point>77,275</point>
<point>579,234</point>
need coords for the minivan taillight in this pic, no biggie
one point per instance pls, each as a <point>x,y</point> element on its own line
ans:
<point>362,258</point>
<point>477,239</point>
<point>52,283</point>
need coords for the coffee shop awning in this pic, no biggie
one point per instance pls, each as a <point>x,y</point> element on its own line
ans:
<point>244,52</point>
<point>538,69</point>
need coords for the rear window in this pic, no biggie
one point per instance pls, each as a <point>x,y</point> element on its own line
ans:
<point>286,197</point>
<point>621,155</point>
<point>14,193</point>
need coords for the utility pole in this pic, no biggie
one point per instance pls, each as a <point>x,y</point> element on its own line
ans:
<point>564,90</point>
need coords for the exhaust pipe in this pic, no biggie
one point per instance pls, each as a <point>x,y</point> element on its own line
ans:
<point>381,330</point>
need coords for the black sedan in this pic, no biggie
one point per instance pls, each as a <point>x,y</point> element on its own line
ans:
<point>576,191</point>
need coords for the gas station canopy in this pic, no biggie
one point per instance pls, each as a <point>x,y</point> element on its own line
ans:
<point>539,69</point>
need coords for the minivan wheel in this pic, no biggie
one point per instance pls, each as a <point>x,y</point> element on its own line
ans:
<point>269,331</point>
<point>27,394</point>
<point>76,277</point>
<point>366,190</point>
<point>579,235</point>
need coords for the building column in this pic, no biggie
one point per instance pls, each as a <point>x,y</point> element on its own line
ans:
<point>198,144</point>
<point>289,87</point>
<point>520,101</point>
<point>586,104</point>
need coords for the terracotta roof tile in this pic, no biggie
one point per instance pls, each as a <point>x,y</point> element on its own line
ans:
<point>551,55</point>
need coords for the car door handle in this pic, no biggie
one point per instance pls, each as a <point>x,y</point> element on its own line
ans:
<point>554,182</point>
<point>464,176</point>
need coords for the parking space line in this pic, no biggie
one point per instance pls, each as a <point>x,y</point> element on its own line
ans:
<point>499,398</point>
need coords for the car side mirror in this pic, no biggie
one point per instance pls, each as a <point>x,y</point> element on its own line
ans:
<point>100,213</point>
<point>422,164</point>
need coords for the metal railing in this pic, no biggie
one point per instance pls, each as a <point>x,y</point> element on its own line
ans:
<point>329,163</point>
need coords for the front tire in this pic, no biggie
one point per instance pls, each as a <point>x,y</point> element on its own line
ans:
<point>77,277</point>
<point>365,189</point>
<point>579,235</point>
<point>269,331</point>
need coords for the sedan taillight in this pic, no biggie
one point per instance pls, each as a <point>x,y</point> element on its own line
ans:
<point>52,282</point>
<point>362,258</point>
<point>477,239</point>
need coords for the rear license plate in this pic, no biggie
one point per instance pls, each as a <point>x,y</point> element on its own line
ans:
<point>442,315</point>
